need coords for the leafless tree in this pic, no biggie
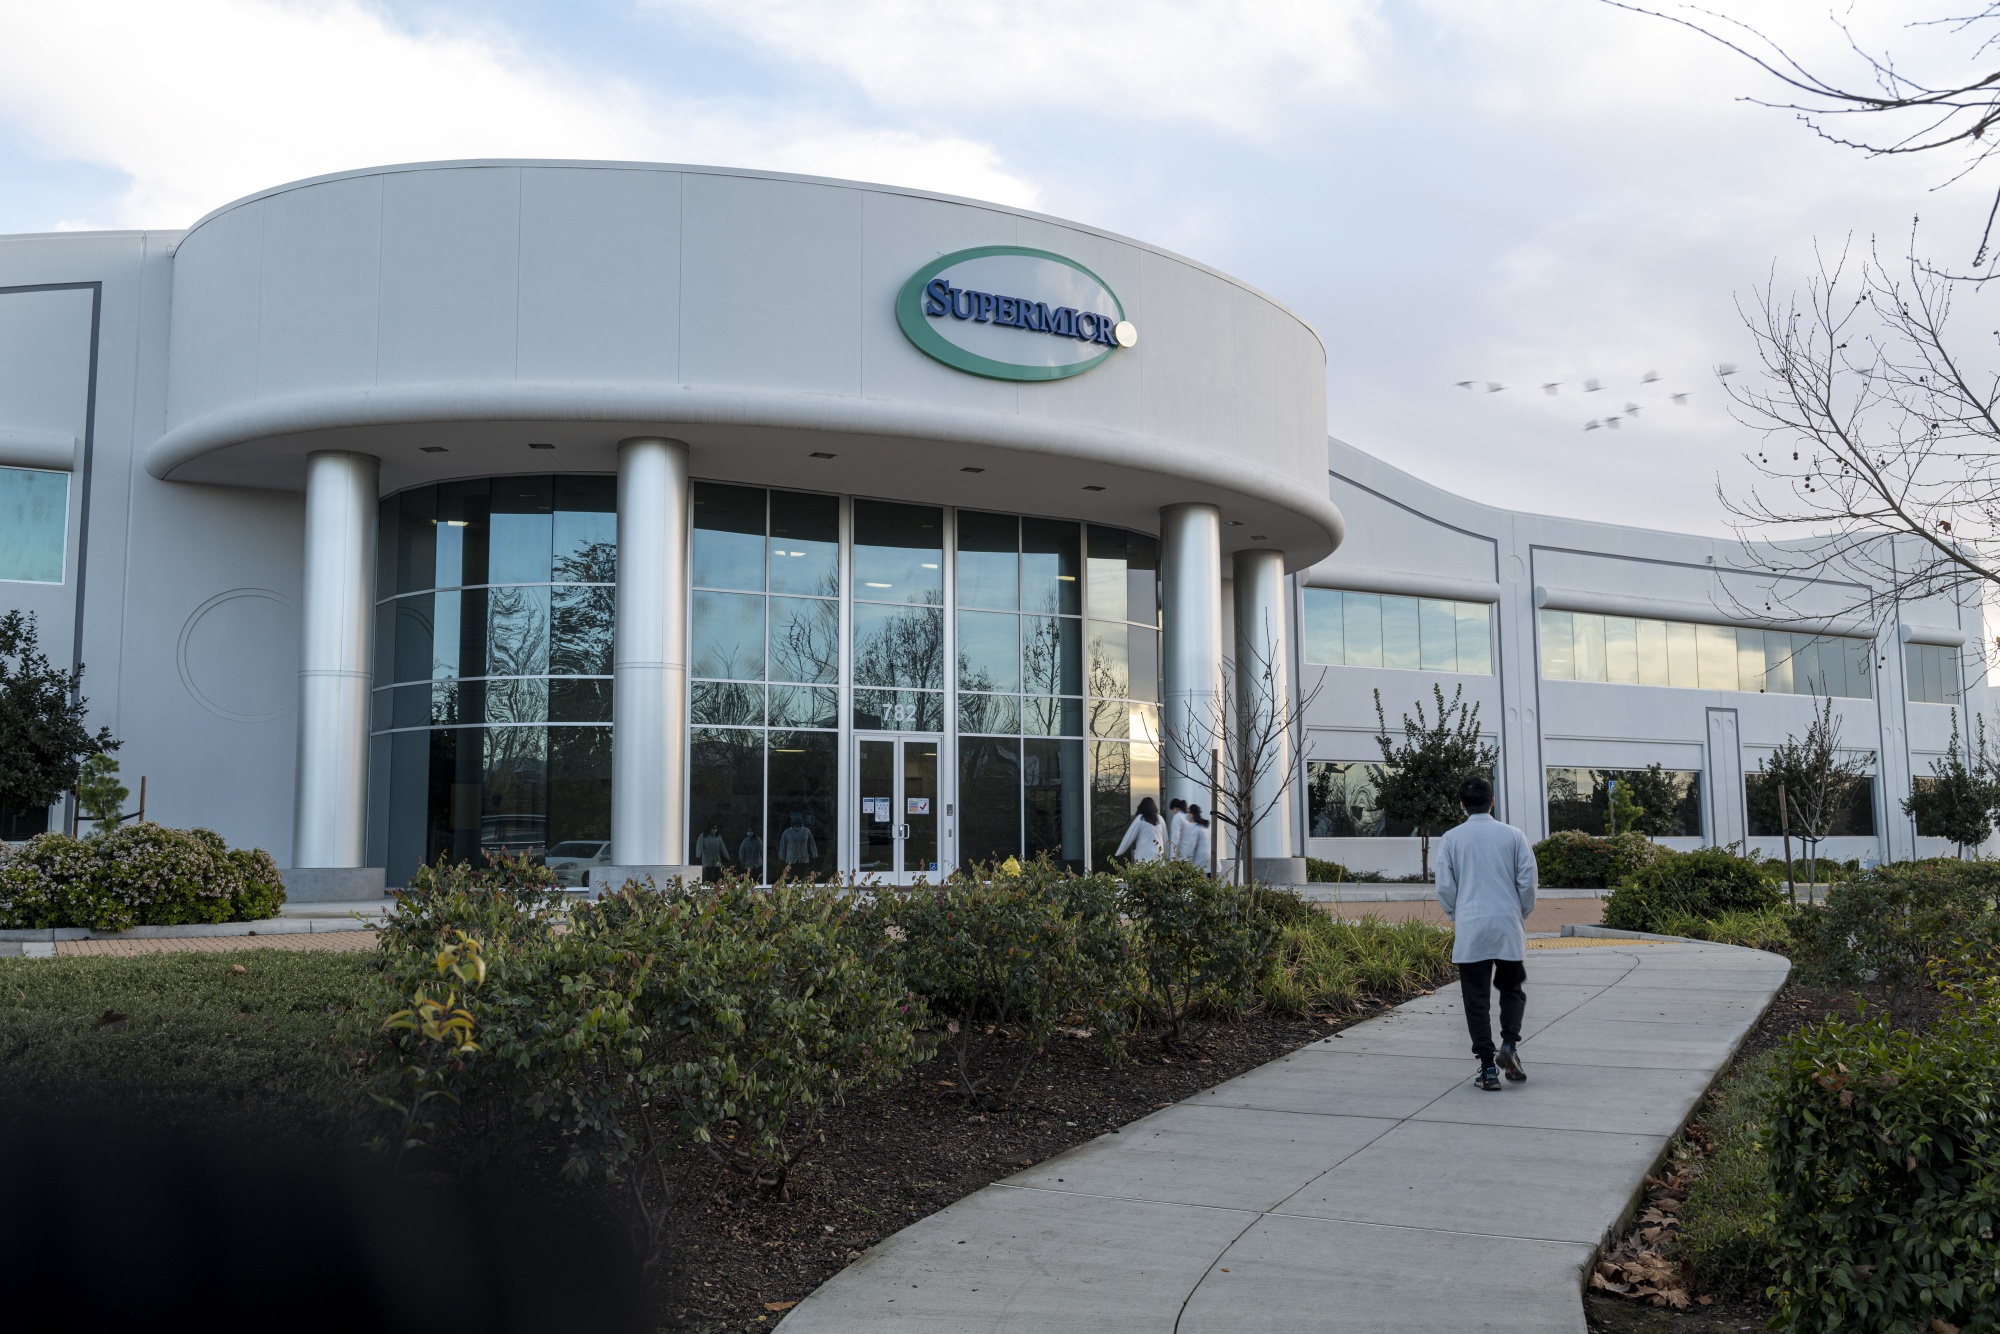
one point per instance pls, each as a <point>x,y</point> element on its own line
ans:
<point>1886,111</point>
<point>1820,780</point>
<point>1246,746</point>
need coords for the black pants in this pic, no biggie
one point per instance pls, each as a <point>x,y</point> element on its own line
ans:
<point>1476,982</point>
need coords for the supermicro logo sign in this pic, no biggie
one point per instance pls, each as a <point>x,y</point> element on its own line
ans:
<point>1010,313</point>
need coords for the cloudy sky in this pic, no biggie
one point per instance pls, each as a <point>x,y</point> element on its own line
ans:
<point>1517,193</point>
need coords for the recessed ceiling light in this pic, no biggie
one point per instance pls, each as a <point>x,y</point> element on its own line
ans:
<point>537,444</point>
<point>435,449</point>
<point>1256,537</point>
<point>1234,523</point>
<point>1093,488</point>
<point>818,455</point>
<point>972,470</point>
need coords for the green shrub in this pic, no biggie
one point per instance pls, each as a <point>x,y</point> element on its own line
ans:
<point>1890,923</point>
<point>1319,871</point>
<point>1323,966</point>
<point>1200,945</point>
<point>136,875</point>
<point>1003,961</point>
<point>724,1018</point>
<point>1706,883</point>
<point>1885,1162</point>
<point>1758,929</point>
<point>1574,860</point>
<point>1725,1236</point>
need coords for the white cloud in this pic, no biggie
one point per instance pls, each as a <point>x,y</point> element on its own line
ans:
<point>1236,64</point>
<point>202,101</point>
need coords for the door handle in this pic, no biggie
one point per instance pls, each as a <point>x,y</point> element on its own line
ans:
<point>902,831</point>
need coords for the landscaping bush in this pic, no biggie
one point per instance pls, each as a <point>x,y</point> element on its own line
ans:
<point>725,1018</point>
<point>1885,1162</point>
<point>1574,860</point>
<point>1200,946</point>
<point>1761,929</point>
<point>136,875</point>
<point>1005,960</point>
<point>1324,966</point>
<point>1706,883</point>
<point>1725,1235</point>
<point>1319,871</point>
<point>1890,923</point>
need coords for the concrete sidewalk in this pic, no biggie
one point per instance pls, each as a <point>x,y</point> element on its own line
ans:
<point>1360,1183</point>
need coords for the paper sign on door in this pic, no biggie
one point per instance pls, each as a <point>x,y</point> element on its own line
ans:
<point>919,806</point>
<point>879,807</point>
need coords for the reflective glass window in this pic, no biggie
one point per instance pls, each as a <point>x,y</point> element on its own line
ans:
<point>34,524</point>
<point>805,544</point>
<point>1400,634</point>
<point>728,636</point>
<point>1321,626</point>
<point>580,625</point>
<point>899,646</point>
<point>1558,646</point>
<point>521,532</point>
<point>1716,645</point>
<point>586,530</point>
<point>1750,660</point>
<point>1588,635</point>
<point>517,630</point>
<point>989,799</point>
<point>1051,716</point>
<point>1107,572</point>
<point>728,537</point>
<point>1475,638</point>
<point>1361,626</point>
<point>726,800</point>
<point>805,640</point>
<point>1052,655</point>
<point>1437,624</point>
<point>993,714</point>
<point>1110,663</point>
<point>464,511</point>
<point>1142,647</point>
<point>989,651</point>
<point>1052,788</point>
<point>1049,567</point>
<point>989,560</point>
<point>1683,656</point>
<point>1777,662</point>
<point>803,770</point>
<point>1651,638</point>
<point>1621,650</point>
<point>1341,802</point>
<point>726,703</point>
<point>898,552</point>
<point>804,706</point>
<point>1669,800</point>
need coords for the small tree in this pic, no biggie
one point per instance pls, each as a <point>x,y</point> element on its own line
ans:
<point>1258,758</point>
<point>1956,801</point>
<point>43,739</point>
<point>1818,779</point>
<point>1627,813</point>
<point>1420,778</point>
<point>1658,798</point>
<point>99,794</point>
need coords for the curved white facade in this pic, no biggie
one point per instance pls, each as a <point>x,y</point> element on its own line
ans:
<point>864,603</point>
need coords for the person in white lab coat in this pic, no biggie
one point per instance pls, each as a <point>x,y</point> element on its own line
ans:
<point>1146,838</point>
<point>1193,845</point>
<point>1177,818</point>
<point>1486,886</point>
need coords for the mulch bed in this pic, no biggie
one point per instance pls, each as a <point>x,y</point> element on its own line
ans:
<point>891,1160</point>
<point>1638,1256</point>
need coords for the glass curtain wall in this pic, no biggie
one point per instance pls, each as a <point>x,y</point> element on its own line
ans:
<point>1379,630</point>
<point>1584,646</point>
<point>492,704</point>
<point>1931,671</point>
<point>1123,603</point>
<point>1020,688</point>
<point>764,669</point>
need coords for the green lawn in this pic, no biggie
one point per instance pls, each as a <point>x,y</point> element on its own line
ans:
<point>183,1038</point>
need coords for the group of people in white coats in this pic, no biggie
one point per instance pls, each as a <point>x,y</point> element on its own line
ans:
<point>1183,836</point>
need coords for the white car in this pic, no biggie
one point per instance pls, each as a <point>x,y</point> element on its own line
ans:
<point>571,861</point>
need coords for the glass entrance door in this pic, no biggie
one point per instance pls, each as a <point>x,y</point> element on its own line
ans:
<point>896,808</point>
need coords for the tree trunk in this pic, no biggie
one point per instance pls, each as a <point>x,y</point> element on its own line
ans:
<point>1424,863</point>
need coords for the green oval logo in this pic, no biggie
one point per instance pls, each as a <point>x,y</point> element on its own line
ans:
<point>1011,313</point>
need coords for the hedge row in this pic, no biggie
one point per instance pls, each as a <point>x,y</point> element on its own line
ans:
<point>137,875</point>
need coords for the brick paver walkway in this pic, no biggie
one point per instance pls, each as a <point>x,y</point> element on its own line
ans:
<point>1549,914</point>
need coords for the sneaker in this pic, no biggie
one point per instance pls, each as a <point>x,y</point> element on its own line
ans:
<point>1510,1061</point>
<point>1489,1079</point>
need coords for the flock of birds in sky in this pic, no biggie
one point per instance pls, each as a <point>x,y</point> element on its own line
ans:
<point>1610,421</point>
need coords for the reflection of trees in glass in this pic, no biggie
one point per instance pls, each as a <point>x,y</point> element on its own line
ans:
<point>582,615</point>
<point>1669,800</point>
<point>1341,802</point>
<point>805,640</point>
<point>728,703</point>
<point>903,648</point>
<point>1049,651</point>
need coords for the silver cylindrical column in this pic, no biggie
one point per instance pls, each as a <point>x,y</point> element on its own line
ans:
<point>330,817</point>
<point>1263,698</point>
<point>1191,713</point>
<point>649,655</point>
